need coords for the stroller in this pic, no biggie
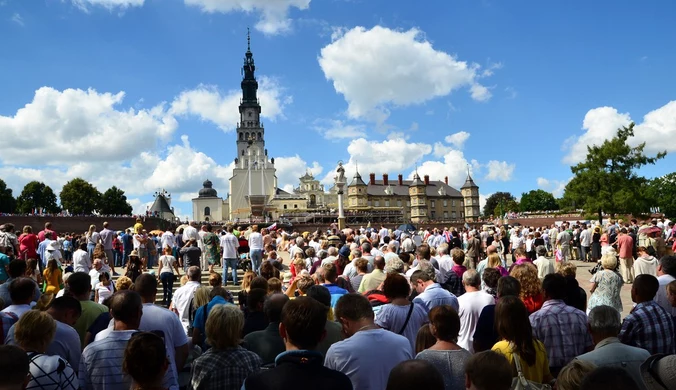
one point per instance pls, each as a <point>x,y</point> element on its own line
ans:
<point>243,251</point>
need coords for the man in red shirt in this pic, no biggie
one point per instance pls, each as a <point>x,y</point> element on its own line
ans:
<point>625,246</point>
<point>48,228</point>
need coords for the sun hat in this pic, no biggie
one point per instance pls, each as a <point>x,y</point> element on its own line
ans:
<point>53,246</point>
<point>344,251</point>
<point>133,253</point>
<point>659,372</point>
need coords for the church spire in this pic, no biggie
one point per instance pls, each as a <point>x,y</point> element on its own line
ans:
<point>249,83</point>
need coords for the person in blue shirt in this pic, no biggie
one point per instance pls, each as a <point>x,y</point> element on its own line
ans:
<point>330,274</point>
<point>430,293</point>
<point>218,296</point>
<point>127,245</point>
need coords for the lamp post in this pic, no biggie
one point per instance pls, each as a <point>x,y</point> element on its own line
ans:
<point>340,182</point>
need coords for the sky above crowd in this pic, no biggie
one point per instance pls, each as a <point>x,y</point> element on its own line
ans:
<point>143,94</point>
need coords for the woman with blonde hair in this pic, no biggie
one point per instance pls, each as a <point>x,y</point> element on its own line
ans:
<point>570,377</point>
<point>606,285</point>
<point>100,254</point>
<point>34,333</point>
<point>92,238</point>
<point>31,271</point>
<point>531,288</point>
<point>494,261</point>
<point>52,276</point>
<point>123,283</point>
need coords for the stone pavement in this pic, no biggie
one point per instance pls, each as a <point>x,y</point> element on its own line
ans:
<point>584,278</point>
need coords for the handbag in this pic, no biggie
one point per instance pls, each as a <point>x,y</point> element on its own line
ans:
<point>521,383</point>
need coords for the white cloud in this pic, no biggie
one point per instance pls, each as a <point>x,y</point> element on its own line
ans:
<point>61,127</point>
<point>499,171</point>
<point>110,5</point>
<point>457,139</point>
<point>482,200</point>
<point>658,130</point>
<point>16,18</point>
<point>390,156</point>
<point>400,68</point>
<point>273,13</point>
<point>335,129</point>
<point>209,104</point>
<point>556,187</point>
<point>289,169</point>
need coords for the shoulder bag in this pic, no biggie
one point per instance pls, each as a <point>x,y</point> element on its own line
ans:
<point>521,383</point>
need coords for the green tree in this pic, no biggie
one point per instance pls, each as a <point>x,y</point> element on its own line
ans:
<point>113,201</point>
<point>36,195</point>
<point>78,196</point>
<point>498,200</point>
<point>7,201</point>
<point>662,190</point>
<point>607,181</point>
<point>538,200</point>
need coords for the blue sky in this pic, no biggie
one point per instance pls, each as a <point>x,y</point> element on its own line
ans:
<point>143,94</point>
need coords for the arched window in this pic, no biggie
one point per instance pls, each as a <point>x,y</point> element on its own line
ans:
<point>260,136</point>
<point>207,211</point>
<point>285,207</point>
<point>241,136</point>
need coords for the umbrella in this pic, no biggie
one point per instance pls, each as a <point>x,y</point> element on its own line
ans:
<point>157,232</point>
<point>516,224</point>
<point>649,230</point>
<point>407,227</point>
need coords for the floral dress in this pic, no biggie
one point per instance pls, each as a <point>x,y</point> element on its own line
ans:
<point>608,286</point>
<point>211,249</point>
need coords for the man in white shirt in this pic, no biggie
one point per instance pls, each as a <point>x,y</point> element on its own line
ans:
<point>332,255</point>
<point>585,242</point>
<point>191,232</point>
<point>383,233</point>
<point>96,272</point>
<point>157,318</point>
<point>168,240</point>
<point>81,260</point>
<point>472,302</point>
<point>107,236</point>
<point>445,263</point>
<point>369,353</point>
<point>666,273</point>
<point>180,303</point>
<point>407,245</point>
<point>229,243</point>
<point>255,248</point>
<point>22,291</point>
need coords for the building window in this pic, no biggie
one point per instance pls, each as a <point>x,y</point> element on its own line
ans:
<point>377,203</point>
<point>453,203</point>
<point>462,214</point>
<point>434,214</point>
<point>295,206</point>
<point>462,203</point>
<point>445,214</point>
<point>453,215</point>
<point>250,114</point>
<point>353,202</point>
<point>369,203</point>
<point>285,207</point>
<point>387,203</point>
<point>398,202</point>
<point>241,136</point>
<point>207,211</point>
<point>433,204</point>
<point>360,190</point>
<point>445,203</point>
<point>408,203</point>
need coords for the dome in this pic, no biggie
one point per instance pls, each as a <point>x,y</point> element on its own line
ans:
<point>207,191</point>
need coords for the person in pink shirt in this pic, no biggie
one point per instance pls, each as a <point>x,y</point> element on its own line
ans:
<point>48,228</point>
<point>625,246</point>
<point>28,244</point>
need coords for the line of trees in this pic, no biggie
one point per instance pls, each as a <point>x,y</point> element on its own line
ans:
<point>78,196</point>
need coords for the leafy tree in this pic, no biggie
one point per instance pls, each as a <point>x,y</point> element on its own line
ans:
<point>36,195</point>
<point>662,190</point>
<point>7,201</point>
<point>78,196</point>
<point>607,181</point>
<point>538,200</point>
<point>497,200</point>
<point>113,201</point>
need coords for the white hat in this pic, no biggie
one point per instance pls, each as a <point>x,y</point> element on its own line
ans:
<point>53,246</point>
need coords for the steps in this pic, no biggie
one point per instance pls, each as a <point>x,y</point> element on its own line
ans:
<point>204,281</point>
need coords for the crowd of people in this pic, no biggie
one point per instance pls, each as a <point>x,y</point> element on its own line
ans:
<point>358,308</point>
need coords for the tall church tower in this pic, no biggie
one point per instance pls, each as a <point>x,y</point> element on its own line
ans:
<point>470,194</point>
<point>253,183</point>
